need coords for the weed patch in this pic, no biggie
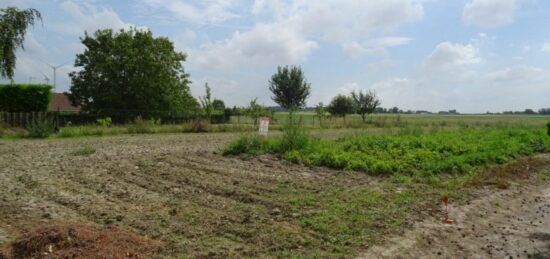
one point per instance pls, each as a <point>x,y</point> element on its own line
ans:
<point>84,151</point>
<point>40,128</point>
<point>411,152</point>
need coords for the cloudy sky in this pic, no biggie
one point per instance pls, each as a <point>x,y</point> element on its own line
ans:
<point>470,55</point>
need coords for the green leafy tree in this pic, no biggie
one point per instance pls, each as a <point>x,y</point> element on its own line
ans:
<point>206,101</point>
<point>341,105</point>
<point>218,105</point>
<point>255,111</point>
<point>366,103</point>
<point>13,26</point>
<point>290,88</point>
<point>130,73</point>
<point>320,112</point>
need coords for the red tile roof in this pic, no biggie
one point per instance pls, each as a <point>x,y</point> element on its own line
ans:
<point>60,102</point>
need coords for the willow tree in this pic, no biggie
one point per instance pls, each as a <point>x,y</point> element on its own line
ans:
<point>13,26</point>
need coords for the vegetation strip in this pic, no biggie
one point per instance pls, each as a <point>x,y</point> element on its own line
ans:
<point>407,153</point>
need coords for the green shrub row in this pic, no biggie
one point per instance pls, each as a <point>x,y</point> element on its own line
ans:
<point>25,98</point>
<point>411,153</point>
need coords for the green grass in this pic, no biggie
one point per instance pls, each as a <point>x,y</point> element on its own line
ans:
<point>408,153</point>
<point>84,151</point>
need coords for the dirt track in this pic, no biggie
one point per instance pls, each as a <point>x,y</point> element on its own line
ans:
<point>512,223</point>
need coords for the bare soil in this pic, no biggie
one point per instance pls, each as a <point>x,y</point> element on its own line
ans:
<point>513,222</point>
<point>175,188</point>
<point>178,189</point>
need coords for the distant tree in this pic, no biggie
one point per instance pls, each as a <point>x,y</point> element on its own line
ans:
<point>13,27</point>
<point>131,73</point>
<point>365,103</point>
<point>529,111</point>
<point>290,88</point>
<point>218,105</point>
<point>394,110</point>
<point>341,105</point>
<point>206,102</point>
<point>255,111</point>
<point>544,111</point>
<point>320,112</point>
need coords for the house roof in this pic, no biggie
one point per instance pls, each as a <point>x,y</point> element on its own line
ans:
<point>60,102</point>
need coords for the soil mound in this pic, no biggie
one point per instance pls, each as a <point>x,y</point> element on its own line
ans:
<point>81,241</point>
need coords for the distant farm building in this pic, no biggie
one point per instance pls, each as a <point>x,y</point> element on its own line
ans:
<point>60,102</point>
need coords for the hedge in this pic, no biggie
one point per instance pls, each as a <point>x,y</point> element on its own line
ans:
<point>25,97</point>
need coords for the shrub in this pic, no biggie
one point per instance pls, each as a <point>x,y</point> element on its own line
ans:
<point>200,125</point>
<point>141,126</point>
<point>294,138</point>
<point>25,97</point>
<point>105,122</point>
<point>548,128</point>
<point>246,144</point>
<point>40,128</point>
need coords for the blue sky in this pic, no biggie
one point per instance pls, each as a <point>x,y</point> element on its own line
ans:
<point>470,55</point>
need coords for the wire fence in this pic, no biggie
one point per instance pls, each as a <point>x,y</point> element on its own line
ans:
<point>122,117</point>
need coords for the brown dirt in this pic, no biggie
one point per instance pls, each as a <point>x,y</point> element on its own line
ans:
<point>176,188</point>
<point>513,222</point>
<point>81,241</point>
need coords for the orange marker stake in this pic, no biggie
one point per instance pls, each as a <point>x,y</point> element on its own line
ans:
<point>446,219</point>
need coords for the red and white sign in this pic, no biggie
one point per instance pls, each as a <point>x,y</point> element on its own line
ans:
<point>264,126</point>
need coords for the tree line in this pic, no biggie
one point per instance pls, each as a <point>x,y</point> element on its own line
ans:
<point>143,75</point>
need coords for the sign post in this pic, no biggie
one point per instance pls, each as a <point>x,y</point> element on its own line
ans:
<point>264,126</point>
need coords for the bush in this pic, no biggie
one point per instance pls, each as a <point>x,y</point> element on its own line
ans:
<point>40,128</point>
<point>294,138</point>
<point>106,122</point>
<point>249,144</point>
<point>548,128</point>
<point>141,126</point>
<point>200,125</point>
<point>25,98</point>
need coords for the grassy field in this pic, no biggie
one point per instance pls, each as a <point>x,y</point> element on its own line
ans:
<point>399,120</point>
<point>308,120</point>
<point>180,189</point>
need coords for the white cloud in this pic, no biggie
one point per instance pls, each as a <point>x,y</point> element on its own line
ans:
<point>546,47</point>
<point>489,13</point>
<point>342,21</point>
<point>200,12</point>
<point>90,18</point>
<point>353,50</point>
<point>447,56</point>
<point>265,44</point>
<point>516,74</point>
<point>300,26</point>
<point>183,40</point>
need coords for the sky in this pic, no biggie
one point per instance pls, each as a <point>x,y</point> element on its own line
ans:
<point>471,55</point>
